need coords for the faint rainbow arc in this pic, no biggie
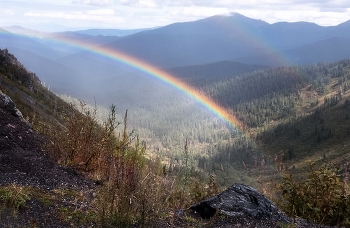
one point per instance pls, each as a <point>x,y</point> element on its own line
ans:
<point>254,37</point>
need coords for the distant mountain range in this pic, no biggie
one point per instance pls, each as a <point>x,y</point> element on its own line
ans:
<point>207,43</point>
<point>234,37</point>
<point>111,32</point>
<point>90,32</point>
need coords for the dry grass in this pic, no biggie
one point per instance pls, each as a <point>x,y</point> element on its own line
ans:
<point>133,189</point>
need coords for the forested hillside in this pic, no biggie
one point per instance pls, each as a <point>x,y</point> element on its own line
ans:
<point>207,73</point>
<point>291,114</point>
<point>36,102</point>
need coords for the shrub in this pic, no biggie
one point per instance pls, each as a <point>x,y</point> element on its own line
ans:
<point>322,197</point>
<point>134,190</point>
<point>13,197</point>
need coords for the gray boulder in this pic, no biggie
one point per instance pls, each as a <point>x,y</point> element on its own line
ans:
<point>240,201</point>
<point>7,104</point>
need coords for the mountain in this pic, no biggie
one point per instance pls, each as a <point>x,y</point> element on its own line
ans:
<point>111,32</point>
<point>212,39</point>
<point>328,50</point>
<point>11,40</point>
<point>25,31</point>
<point>191,43</point>
<point>55,79</point>
<point>92,39</point>
<point>208,73</point>
<point>285,35</point>
<point>220,38</point>
<point>49,45</point>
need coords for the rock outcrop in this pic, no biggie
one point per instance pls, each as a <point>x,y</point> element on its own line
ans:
<point>23,163</point>
<point>241,201</point>
<point>7,104</point>
<point>22,160</point>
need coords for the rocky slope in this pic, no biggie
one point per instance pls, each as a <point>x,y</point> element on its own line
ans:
<point>24,165</point>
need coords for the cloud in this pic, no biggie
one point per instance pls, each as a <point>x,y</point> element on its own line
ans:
<point>102,15</point>
<point>92,2</point>
<point>151,13</point>
<point>252,4</point>
<point>201,12</point>
<point>174,14</point>
<point>8,12</point>
<point>144,3</point>
<point>105,12</point>
<point>57,14</point>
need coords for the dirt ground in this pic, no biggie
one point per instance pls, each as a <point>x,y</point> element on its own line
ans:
<point>22,163</point>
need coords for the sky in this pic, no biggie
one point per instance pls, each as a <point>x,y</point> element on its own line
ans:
<point>63,15</point>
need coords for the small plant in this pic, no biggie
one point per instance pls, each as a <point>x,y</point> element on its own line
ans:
<point>13,197</point>
<point>76,217</point>
<point>286,225</point>
<point>190,221</point>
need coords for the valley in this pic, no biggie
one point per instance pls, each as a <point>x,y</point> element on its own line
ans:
<point>228,99</point>
<point>264,100</point>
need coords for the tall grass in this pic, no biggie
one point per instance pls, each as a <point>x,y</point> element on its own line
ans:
<point>132,189</point>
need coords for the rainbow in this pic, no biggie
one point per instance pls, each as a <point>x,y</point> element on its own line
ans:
<point>253,38</point>
<point>224,114</point>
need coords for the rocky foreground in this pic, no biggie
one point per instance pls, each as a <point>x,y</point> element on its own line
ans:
<point>22,163</point>
<point>52,203</point>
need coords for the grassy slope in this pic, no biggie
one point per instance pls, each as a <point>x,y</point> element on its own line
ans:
<point>37,105</point>
<point>300,135</point>
<point>314,128</point>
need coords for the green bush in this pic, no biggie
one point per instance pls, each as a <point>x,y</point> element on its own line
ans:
<point>13,197</point>
<point>322,197</point>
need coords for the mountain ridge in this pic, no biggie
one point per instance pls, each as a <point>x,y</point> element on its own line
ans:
<point>219,38</point>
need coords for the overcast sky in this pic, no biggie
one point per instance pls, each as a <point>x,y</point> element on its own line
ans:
<point>58,15</point>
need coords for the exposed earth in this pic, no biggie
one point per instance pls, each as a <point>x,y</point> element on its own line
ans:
<point>22,163</point>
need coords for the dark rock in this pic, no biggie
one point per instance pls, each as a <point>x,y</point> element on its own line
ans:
<point>22,159</point>
<point>240,201</point>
